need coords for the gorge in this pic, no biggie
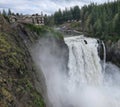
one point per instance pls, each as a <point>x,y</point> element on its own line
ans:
<point>85,81</point>
<point>40,68</point>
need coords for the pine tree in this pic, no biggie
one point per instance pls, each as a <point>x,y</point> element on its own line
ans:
<point>116,23</point>
<point>76,13</point>
<point>4,13</point>
<point>58,17</point>
<point>9,12</point>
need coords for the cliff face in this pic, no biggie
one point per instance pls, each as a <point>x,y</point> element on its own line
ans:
<point>17,70</point>
<point>22,83</point>
<point>113,52</point>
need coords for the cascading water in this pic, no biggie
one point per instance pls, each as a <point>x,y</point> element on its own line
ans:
<point>87,83</point>
<point>104,56</point>
<point>84,62</point>
<point>88,75</point>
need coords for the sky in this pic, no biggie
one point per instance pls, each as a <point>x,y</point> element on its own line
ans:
<point>46,6</point>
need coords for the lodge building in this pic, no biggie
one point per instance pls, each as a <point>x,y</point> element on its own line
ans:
<point>31,19</point>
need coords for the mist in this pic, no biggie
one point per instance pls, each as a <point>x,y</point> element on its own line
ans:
<point>64,91</point>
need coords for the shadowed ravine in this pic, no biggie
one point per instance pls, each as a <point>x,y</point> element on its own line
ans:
<point>85,82</point>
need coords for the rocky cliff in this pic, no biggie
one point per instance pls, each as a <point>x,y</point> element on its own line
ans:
<point>17,70</point>
<point>113,52</point>
<point>20,83</point>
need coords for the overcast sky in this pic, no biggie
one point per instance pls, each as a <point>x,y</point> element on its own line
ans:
<point>47,6</point>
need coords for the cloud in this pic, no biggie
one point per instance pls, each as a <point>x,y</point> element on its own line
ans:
<point>47,6</point>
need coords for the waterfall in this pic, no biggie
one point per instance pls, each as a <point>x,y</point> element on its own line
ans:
<point>84,62</point>
<point>104,56</point>
<point>86,74</point>
<point>87,83</point>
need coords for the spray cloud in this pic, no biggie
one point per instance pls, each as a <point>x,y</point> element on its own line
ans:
<point>81,85</point>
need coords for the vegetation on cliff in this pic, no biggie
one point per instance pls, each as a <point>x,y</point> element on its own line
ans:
<point>16,69</point>
<point>43,31</point>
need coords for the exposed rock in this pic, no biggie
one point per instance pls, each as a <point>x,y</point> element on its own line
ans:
<point>113,52</point>
<point>17,70</point>
<point>18,74</point>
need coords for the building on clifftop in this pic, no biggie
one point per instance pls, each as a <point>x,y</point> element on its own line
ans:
<point>31,19</point>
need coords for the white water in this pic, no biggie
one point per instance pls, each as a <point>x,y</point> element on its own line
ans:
<point>104,59</point>
<point>87,83</point>
<point>84,62</point>
<point>87,77</point>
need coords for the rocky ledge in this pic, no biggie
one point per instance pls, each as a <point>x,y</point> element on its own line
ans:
<point>113,52</point>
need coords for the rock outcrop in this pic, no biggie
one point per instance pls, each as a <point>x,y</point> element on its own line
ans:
<point>113,52</point>
<point>20,84</point>
<point>17,70</point>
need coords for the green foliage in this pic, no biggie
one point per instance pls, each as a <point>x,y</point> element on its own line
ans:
<point>116,23</point>
<point>76,13</point>
<point>38,101</point>
<point>96,20</point>
<point>9,12</point>
<point>44,31</point>
<point>49,20</point>
<point>67,15</point>
<point>38,29</point>
<point>58,17</point>
<point>4,13</point>
<point>102,21</point>
<point>15,80</point>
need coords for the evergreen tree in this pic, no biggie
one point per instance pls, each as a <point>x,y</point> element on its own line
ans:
<point>58,17</point>
<point>99,20</point>
<point>116,23</point>
<point>9,12</point>
<point>76,13</point>
<point>4,13</point>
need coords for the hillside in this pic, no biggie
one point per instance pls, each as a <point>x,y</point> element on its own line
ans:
<point>22,82</point>
<point>16,68</point>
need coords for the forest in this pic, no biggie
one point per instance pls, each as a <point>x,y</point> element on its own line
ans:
<point>97,20</point>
